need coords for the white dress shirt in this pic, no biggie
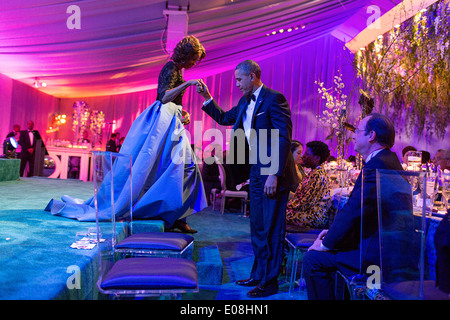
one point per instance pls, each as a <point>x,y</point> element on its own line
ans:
<point>248,115</point>
<point>373,154</point>
<point>31,135</point>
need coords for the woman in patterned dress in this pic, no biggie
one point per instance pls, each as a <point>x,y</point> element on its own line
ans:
<point>309,205</point>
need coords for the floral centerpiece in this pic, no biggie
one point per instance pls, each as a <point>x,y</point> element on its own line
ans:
<point>97,124</point>
<point>83,119</point>
<point>80,119</point>
<point>334,117</point>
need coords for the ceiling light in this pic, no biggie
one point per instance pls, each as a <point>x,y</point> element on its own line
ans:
<point>38,83</point>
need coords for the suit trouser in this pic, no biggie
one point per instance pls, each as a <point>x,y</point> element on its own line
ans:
<point>24,159</point>
<point>319,270</point>
<point>267,226</point>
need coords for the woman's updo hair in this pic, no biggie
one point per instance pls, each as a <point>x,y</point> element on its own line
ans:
<point>186,49</point>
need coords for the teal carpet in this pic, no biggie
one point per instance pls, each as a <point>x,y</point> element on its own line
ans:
<point>35,246</point>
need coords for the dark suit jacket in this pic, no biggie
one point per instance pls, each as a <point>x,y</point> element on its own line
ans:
<point>345,231</point>
<point>24,140</point>
<point>271,112</point>
<point>111,145</point>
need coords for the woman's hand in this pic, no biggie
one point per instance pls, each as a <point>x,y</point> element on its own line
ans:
<point>186,119</point>
<point>202,89</point>
<point>193,82</point>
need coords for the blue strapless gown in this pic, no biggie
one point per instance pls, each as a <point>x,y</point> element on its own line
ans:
<point>163,188</point>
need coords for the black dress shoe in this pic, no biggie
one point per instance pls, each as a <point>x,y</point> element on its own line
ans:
<point>182,226</point>
<point>263,290</point>
<point>248,282</point>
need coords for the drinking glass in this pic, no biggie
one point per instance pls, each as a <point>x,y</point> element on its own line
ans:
<point>414,160</point>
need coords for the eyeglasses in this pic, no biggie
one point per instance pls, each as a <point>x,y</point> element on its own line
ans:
<point>357,130</point>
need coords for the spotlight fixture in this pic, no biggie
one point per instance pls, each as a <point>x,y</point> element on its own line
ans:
<point>9,148</point>
<point>39,84</point>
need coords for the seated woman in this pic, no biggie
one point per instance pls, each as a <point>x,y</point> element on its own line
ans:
<point>309,205</point>
<point>297,151</point>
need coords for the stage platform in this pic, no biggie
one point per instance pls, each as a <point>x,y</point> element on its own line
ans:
<point>37,260</point>
<point>9,169</point>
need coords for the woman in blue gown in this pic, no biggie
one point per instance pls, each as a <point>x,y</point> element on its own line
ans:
<point>162,187</point>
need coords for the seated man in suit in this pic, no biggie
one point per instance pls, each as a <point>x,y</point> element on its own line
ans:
<point>339,247</point>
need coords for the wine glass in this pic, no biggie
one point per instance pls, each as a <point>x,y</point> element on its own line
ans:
<point>414,159</point>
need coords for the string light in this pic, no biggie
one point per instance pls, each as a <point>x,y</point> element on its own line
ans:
<point>289,29</point>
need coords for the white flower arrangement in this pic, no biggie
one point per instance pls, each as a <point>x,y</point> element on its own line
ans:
<point>336,103</point>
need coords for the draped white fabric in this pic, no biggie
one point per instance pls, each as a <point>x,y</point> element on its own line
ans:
<point>119,45</point>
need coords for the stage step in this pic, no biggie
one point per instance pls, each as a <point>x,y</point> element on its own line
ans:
<point>209,264</point>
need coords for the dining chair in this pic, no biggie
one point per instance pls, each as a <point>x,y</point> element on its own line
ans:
<point>224,193</point>
<point>298,243</point>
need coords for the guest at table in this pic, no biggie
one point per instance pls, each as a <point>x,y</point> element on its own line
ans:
<point>297,151</point>
<point>28,140</point>
<point>405,153</point>
<point>426,157</point>
<point>442,158</point>
<point>210,171</point>
<point>308,208</point>
<point>339,247</point>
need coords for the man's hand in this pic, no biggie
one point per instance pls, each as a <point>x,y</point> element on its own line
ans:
<point>317,245</point>
<point>202,89</point>
<point>270,187</point>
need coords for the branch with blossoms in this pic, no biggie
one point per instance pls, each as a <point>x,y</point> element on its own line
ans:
<point>335,114</point>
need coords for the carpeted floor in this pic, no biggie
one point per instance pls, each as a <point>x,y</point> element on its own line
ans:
<point>230,232</point>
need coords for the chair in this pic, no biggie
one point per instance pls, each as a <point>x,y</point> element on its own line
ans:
<point>224,193</point>
<point>403,233</point>
<point>127,242</point>
<point>298,244</point>
<point>392,256</point>
<point>369,249</point>
<point>144,276</point>
<point>74,167</point>
<point>139,275</point>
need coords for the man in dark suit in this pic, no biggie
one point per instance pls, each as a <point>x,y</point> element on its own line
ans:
<point>111,144</point>
<point>262,118</point>
<point>339,247</point>
<point>28,140</point>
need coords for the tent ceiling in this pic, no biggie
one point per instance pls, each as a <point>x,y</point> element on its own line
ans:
<point>119,47</point>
